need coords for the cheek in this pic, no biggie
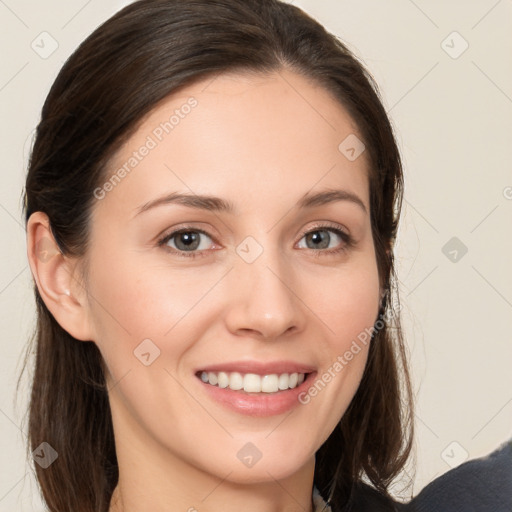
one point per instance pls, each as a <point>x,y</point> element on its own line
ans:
<point>346,301</point>
<point>134,299</point>
<point>348,305</point>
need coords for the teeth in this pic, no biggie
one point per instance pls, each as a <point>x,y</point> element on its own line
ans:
<point>269,383</point>
<point>283,381</point>
<point>223,380</point>
<point>236,381</point>
<point>252,383</point>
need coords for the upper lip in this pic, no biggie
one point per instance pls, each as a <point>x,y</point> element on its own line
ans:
<point>259,367</point>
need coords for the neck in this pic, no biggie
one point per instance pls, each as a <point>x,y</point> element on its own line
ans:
<point>194,491</point>
<point>152,477</point>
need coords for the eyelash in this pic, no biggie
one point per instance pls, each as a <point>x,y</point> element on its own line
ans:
<point>347,239</point>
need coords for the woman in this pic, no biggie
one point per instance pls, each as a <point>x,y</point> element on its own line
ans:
<point>204,340</point>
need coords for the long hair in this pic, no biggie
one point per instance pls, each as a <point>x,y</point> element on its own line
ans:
<point>118,75</point>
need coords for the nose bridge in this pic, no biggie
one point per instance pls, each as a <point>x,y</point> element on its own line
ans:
<point>265,300</point>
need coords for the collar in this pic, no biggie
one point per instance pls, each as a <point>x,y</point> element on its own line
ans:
<point>319,503</point>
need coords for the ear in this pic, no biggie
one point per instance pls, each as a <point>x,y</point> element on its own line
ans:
<point>57,279</point>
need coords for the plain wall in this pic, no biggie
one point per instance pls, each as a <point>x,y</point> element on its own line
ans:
<point>452,113</point>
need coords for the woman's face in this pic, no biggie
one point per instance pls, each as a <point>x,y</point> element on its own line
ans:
<point>277,285</point>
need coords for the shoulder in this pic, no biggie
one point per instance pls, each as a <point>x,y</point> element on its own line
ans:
<point>479,485</point>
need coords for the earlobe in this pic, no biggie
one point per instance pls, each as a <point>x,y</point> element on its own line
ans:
<point>54,274</point>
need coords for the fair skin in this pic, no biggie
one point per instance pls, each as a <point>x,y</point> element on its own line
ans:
<point>256,142</point>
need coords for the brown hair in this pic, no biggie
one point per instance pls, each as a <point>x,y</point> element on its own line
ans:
<point>119,74</point>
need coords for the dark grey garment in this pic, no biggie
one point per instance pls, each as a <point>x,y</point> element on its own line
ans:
<point>479,485</point>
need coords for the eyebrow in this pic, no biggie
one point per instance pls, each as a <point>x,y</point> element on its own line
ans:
<point>217,204</point>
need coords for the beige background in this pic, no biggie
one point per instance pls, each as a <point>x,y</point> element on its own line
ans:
<point>452,112</point>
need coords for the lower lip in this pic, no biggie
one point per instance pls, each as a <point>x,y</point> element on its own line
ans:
<point>258,404</point>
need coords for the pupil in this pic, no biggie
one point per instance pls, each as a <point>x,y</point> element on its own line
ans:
<point>188,238</point>
<point>320,236</point>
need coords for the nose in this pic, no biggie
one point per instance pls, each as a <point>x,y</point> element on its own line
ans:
<point>265,298</point>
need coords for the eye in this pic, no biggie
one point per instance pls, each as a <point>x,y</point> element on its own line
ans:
<point>185,241</point>
<point>323,236</point>
<point>189,242</point>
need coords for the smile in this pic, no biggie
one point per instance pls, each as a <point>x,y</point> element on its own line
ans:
<point>253,383</point>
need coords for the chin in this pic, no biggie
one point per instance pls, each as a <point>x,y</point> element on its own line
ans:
<point>261,461</point>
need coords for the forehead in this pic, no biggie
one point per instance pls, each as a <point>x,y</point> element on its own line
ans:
<point>241,135</point>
